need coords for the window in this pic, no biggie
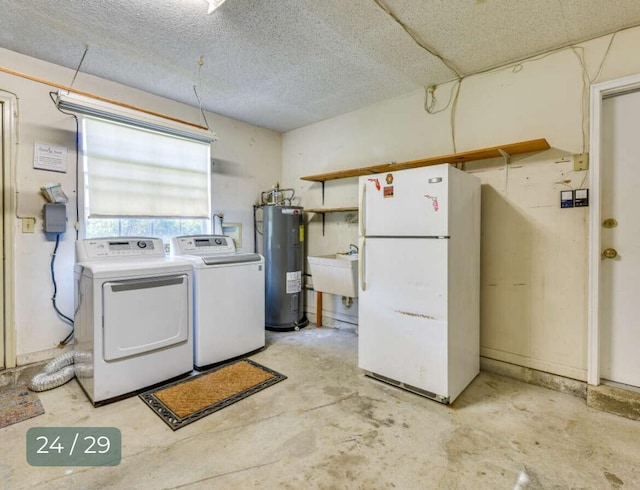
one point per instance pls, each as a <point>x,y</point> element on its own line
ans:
<point>164,228</point>
<point>143,182</point>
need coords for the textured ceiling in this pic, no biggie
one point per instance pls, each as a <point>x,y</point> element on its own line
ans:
<point>283,64</point>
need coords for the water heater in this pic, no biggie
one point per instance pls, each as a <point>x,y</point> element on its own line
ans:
<point>283,233</point>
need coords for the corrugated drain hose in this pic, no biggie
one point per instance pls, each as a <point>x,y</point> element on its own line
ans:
<point>59,371</point>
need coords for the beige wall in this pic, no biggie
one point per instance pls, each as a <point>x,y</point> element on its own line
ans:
<point>534,254</point>
<point>247,161</point>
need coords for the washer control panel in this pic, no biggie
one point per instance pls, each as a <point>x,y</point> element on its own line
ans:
<point>92,248</point>
<point>202,245</point>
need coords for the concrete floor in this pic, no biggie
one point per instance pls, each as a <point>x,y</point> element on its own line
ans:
<point>328,426</point>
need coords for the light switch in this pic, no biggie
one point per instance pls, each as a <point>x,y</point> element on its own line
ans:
<point>566,199</point>
<point>581,198</point>
<point>28,225</point>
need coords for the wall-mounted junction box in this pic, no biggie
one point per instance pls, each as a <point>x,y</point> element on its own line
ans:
<point>55,218</point>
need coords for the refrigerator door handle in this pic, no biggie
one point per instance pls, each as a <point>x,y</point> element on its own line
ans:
<point>361,265</point>
<point>362,210</point>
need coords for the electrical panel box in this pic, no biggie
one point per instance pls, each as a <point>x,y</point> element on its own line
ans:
<point>55,218</point>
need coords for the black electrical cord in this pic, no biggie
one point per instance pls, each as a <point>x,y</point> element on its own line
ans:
<point>66,339</point>
<point>55,292</point>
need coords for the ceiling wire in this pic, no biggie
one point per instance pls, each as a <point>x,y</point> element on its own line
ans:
<point>453,97</point>
<point>516,67</point>
<point>455,89</point>
<point>429,106</point>
<point>86,48</point>
<point>431,94</point>
<point>206,123</point>
<point>587,80</point>
<point>453,115</point>
<point>584,106</point>
<point>415,38</point>
<point>195,91</point>
<point>585,94</point>
<point>578,51</point>
<point>604,58</point>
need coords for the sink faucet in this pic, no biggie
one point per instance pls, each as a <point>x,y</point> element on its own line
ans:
<point>353,250</point>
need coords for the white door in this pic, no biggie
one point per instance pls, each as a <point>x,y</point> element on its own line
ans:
<point>620,240</point>
<point>402,311</point>
<point>405,203</point>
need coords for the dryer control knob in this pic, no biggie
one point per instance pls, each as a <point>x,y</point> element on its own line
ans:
<point>141,244</point>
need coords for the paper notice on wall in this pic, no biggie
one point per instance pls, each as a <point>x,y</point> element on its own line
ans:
<point>294,282</point>
<point>49,157</point>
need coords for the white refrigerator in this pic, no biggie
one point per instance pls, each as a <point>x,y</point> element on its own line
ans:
<point>419,267</point>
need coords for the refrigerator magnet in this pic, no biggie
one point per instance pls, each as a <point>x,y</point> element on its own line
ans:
<point>434,201</point>
<point>376,182</point>
<point>389,179</point>
<point>388,191</point>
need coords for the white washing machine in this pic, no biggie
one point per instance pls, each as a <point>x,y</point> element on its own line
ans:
<point>133,316</point>
<point>228,298</point>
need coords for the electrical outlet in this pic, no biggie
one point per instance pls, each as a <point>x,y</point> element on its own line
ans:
<point>28,225</point>
<point>581,161</point>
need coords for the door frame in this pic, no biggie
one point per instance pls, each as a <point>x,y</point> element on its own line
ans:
<point>599,92</point>
<point>8,158</point>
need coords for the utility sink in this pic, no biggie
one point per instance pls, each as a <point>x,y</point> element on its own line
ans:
<point>335,274</point>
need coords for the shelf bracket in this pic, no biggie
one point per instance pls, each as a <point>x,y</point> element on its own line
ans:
<point>323,215</point>
<point>323,201</point>
<point>505,156</point>
<point>507,161</point>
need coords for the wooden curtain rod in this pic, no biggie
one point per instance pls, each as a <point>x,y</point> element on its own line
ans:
<point>98,97</point>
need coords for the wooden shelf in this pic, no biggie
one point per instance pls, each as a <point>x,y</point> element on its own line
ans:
<point>323,211</point>
<point>467,156</point>
<point>331,210</point>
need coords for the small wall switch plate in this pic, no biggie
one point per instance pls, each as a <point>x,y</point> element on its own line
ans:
<point>566,199</point>
<point>28,225</point>
<point>581,198</point>
<point>581,161</point>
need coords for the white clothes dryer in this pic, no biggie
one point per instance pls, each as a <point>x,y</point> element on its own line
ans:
<point>228,298</point>
<point>133,316</point>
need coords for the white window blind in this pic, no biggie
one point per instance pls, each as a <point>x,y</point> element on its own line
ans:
<point>135,172</point>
